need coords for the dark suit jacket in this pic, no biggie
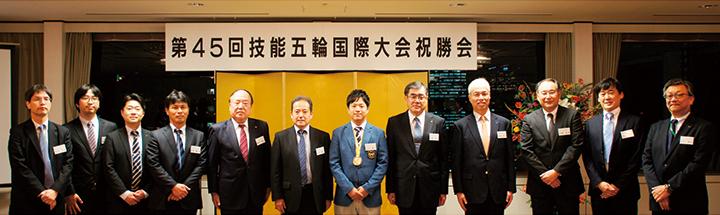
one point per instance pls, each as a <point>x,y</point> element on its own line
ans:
<point>28,169</point>
<point>285,169</point>
<point>625,156</point>
<point>162,164</point>
<point>408,169</point>
<point>117,164</point>
<point>87,176</point>
<point>683,168</point>
<point>478,176</point>
<point>239,183</point>
<point>562,155</point>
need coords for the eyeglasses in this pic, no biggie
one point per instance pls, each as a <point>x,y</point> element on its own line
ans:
<point>90,98</point>
<point>676,95</point>
<point>417,96</point>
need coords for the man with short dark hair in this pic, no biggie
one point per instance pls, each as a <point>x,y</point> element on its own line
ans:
<point>87,134</point>
<point>358,159</point>
<point>176,158</point>
<point>41,158</point>
<point>612,153</point>
<point>676,153</point>
<point>417,176</point>
<point>126,171</point>
<point>239,159</point>
<point>301,147</point>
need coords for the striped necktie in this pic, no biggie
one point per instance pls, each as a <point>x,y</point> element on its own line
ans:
<point>136,162</point>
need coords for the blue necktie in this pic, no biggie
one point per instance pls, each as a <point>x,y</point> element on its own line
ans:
<point>608,131</point>
<point>302,157</point>
<point>417,134</point>
<point>181,147</point>
<point>48,181</point>
<point>671,135</point>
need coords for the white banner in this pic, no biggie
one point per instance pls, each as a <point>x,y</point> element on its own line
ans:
<point>320,46</point>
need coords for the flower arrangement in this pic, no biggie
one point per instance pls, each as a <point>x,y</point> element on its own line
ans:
<point>574,95</point>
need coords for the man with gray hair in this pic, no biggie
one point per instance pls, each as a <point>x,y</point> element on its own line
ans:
<point>417,177</point>
<point>483,167</point>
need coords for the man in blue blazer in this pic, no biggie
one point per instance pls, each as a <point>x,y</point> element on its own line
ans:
<point>676,153</point>
<point>358,160</point>
<point>612,151</point>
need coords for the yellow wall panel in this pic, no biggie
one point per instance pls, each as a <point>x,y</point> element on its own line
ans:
<point>328,92</point>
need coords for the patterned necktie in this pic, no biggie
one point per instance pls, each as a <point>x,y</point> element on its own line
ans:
<point>358,140</point>
<point>671,134</point>
<point>243,142</point>
<point>92,141</point>
<point>136,162</point>
<point>302,157</point>
<point>417,134</point>
<point>551,129</point>
<point>485,135</point>
<point>49,180</point>
<point>181,147</point>
<point>608,132</point>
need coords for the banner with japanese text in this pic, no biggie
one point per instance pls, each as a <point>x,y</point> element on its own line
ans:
<point>320,46</point>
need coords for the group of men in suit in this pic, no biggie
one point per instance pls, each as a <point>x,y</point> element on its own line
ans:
<point>133,170</point>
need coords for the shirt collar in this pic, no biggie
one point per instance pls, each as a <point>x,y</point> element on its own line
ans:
<point>45,123</point>
<point>172,128</point>
<point>679,119</point>
<point>477,115</point>
<point>236,124</point>
<point>307,129</point>
<point>94,121</point>
<point>129,130</point>
<point>615,113</point>
<point>412,117</point>
<point>362,125</point>
<point>553,112</point>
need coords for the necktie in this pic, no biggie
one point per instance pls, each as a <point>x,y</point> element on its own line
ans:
<point>485,135</point>
<point>551,128</point>
<point>92,141</point>
<point>136,161</point>
<point>243,142</point>
<point>49,180</point>
<point>181,147</point>
<point>417,134</point>
<point>302,157</point>
<point>608,131</point>
<point>358,141</point>
<point>671,134</point>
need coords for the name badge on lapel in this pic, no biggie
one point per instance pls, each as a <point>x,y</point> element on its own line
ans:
<point>627,134</point>
<point>260,140</point>
<point>59,149</point>
<point>195,149</point>
<point>502,134</point>
<point>686,140</point>
<point>563,131</point>
<point>371,149</point>
<point>320,151</point>
<point>434,137</point>
<point>102,140</point>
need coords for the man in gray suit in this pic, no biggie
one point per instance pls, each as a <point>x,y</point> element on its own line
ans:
<point>417,177</point>
<point>551,140</point>
<point>300,172</point>
<point>176,159</point>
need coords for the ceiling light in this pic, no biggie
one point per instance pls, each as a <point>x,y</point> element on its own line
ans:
<point>196,4</point>
<point>708,6</point>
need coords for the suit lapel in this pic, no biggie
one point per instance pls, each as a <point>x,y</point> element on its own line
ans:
<point>493,133</point>
<point>425,141</point>
<point>682,131</point>
<point>32,133</point>
<point>350,137</point>
<point>541,117</point>
<point>406,130</point>
<point>475,132</point>
<point>617,137</point>
<point>125,144</point>
<point>252,145</point>
<point>78,128</point>
<point>232,138</point>
<point>52,142</point>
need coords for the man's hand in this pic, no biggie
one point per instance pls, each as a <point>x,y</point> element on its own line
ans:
<point>665,204</point>
<point>280,205</point>
<point>355,194</point>
<point>216,199</point>
<point>328,203</point>
<point>139,194</point>
<point>508,199</point>
<point>131,199</point>
<point>179,191</point>
<point>661,192</point>
<point>461,200</point>
<point>442,199</point>
<point>608,190</point>
<point>48,197</point>
<point>391,198</point>
<point>551,177</point>
<point>72,204</point>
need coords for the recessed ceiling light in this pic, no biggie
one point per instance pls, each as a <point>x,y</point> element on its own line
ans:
<point>459,4</point>
<point>196,4</point>
<point>708,6</point>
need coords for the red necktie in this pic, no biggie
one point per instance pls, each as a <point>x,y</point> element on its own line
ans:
<point>243,143</point>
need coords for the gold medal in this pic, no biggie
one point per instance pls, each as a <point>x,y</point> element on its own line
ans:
<point>357,161</point>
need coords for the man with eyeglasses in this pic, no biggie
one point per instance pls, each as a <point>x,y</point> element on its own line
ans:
<point>417,176</point>
<point>551,141</point>
<point>87,134</point>
<point>41,157</point>
<point>676,153</point>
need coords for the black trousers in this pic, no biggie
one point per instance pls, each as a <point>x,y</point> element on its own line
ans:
<point>555,202</point>
<point>417,207</point>
<point>614,205</point>
<point>307,203</point>
<point>487,207</point>
<point>175,208</point>
<point>249,210</point>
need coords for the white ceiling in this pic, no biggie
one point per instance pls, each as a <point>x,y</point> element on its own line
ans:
<point>522,11</point>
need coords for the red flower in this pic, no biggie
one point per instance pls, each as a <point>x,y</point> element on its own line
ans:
<point>518,105</point>
<point>521,87</point>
